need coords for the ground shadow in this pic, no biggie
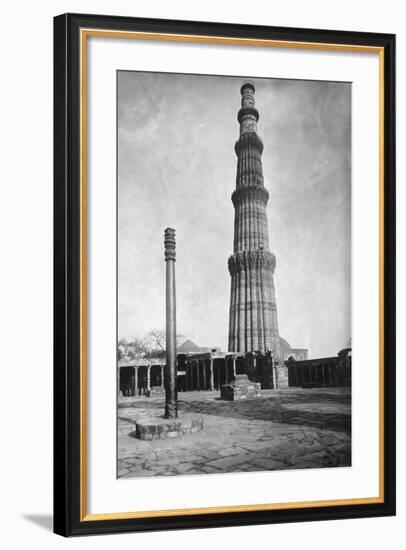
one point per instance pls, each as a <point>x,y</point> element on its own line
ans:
<point>286,408</point>
<point>275,413</point>
<point>42,520</point>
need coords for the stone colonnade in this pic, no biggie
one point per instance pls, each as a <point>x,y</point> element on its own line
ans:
<point>318,373</point>
<point>209,371</point>
<point>140,377</point>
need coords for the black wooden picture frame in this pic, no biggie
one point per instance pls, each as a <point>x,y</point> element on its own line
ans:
<point>69,515</point>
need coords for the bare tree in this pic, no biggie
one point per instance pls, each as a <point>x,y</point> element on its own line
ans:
<point>153,344</point>
<point>157,338</point>
<point>137,346</point>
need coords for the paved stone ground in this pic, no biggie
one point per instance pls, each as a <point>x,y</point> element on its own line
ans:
<point>282,429</point>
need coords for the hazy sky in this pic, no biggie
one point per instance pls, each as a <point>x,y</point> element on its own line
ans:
<point>177,168</point>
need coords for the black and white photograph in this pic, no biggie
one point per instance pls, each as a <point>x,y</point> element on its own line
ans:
<point>233,274</point>
<point>199,278</point>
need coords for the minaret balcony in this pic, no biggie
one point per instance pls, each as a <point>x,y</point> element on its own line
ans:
<point>249,139</point>
<point>251,259</point>
<point>247,112</point>
<point>250,192</point>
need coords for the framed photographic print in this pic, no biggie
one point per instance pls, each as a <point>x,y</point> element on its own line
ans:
<point>224,342</point>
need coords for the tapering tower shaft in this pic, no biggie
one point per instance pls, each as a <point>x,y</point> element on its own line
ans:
<point>253,323</point>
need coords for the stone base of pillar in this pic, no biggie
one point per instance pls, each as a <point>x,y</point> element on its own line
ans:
<point>168,428</point>
<point>241,388</point>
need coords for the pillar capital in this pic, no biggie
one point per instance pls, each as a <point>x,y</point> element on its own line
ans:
<point>170,244</point>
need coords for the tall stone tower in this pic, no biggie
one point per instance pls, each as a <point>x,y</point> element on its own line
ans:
<point>253,322</point>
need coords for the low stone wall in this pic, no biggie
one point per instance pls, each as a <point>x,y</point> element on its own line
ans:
<point>318,373</point>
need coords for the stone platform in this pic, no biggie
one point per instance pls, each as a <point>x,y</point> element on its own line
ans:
<point>159,427</point>
<point>241,388</point>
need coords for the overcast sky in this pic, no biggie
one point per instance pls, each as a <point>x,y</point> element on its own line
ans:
<point>177,168</point>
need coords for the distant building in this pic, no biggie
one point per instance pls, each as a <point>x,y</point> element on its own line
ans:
<point>298,354</point>
<point>190,347</point>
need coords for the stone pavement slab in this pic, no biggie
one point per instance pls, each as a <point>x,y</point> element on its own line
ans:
<point>281,429</point>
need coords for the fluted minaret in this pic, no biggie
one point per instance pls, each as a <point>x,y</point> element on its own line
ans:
<point>253,314</point>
